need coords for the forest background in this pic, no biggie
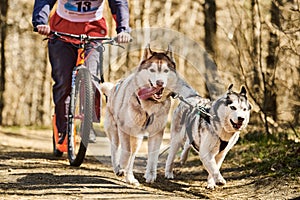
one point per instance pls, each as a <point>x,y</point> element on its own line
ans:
<point>248,42</point>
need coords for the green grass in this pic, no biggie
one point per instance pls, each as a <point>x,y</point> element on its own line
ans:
<point>268,155</point>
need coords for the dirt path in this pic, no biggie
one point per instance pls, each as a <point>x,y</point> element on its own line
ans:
<point>29,171</point>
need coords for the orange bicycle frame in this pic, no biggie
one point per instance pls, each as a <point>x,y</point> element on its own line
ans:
<point>80,57</point>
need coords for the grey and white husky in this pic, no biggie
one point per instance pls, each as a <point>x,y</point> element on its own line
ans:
<point>211,136</point>
<point>140,104</point>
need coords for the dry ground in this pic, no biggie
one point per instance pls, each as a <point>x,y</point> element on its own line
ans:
<point>28,170</point>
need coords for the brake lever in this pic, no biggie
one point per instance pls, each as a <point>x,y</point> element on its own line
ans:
<point>118,45</point>
<point>114,43</point>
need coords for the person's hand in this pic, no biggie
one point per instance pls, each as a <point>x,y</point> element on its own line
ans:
<point>123,37</point>
<point>43,29</point>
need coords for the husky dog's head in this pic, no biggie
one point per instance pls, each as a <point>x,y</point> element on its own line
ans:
<point>156,75</point>
<point>233,110</point>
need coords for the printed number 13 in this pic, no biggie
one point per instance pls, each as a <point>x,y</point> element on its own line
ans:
<point>83,6</point>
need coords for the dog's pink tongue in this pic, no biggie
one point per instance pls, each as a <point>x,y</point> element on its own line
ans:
<point>146,92</point>
<point>239,125</point>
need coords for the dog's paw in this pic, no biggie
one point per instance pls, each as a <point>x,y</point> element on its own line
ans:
<point>183,157</point>
<point>169,175</point>
<point>211,184</point>
<point>221,181</point>
<point>131,180</point>
<point>150,177</point>
<point>118,171</point>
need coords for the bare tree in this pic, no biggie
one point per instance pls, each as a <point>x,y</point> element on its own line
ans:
<point>265,48</point>
<point>3,13</point>
<point>210,25</point>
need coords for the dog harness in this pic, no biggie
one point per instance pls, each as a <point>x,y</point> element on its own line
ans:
<point>189,117</point>
<point>223,145</point>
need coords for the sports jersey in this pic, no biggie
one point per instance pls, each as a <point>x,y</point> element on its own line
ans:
<point>80,11</point>
<point>80,16</point>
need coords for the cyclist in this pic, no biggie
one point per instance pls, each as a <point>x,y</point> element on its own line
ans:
<point>75,17</point>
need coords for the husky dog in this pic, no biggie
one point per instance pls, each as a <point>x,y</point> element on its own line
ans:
<point>137,105</point>
<point>211,136</point>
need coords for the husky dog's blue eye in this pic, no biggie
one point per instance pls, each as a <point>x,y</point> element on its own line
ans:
<point>166,71</point>
<point>152,70</point>
<point>232,107</point>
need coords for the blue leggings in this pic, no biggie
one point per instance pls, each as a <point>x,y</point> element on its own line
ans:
<point>63,56</point>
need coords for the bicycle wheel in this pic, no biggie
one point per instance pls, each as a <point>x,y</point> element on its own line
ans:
<point>80,117</point>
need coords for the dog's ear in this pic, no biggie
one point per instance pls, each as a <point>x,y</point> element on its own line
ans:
<point>147,52</point>
<point>250,106</point>
<point>230,88</point>
<point>228,101</point>
<point>243,91</point>
<point>169,53</point>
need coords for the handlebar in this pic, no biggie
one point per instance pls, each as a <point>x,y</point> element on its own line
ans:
<point>85,38</point>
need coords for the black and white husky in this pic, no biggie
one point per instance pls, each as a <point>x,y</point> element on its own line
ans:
<point>212,136</point>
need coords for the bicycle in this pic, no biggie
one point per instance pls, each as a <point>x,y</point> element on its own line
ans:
<point>81,106</point>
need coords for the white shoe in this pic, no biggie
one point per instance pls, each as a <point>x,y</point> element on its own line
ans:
<point>92,137</point>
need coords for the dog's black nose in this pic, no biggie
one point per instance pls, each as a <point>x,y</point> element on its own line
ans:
<point>159,83</point>
<point>241,119</point>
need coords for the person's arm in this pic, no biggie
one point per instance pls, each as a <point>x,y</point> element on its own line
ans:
<point>41,11</point>
<point>120,11</point>
<point>40,15</point>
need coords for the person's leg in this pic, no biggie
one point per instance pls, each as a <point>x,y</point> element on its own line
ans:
<point>92,59</point>
<point>62,57</point>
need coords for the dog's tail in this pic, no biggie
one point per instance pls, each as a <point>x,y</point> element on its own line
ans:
<point>106,88</point>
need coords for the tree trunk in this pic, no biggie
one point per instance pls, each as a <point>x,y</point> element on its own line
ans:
<point>210,25</point>
<point>270,104</point>
<point>3,14</point>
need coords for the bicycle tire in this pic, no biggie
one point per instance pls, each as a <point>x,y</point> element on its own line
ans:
<point>80,117</point>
